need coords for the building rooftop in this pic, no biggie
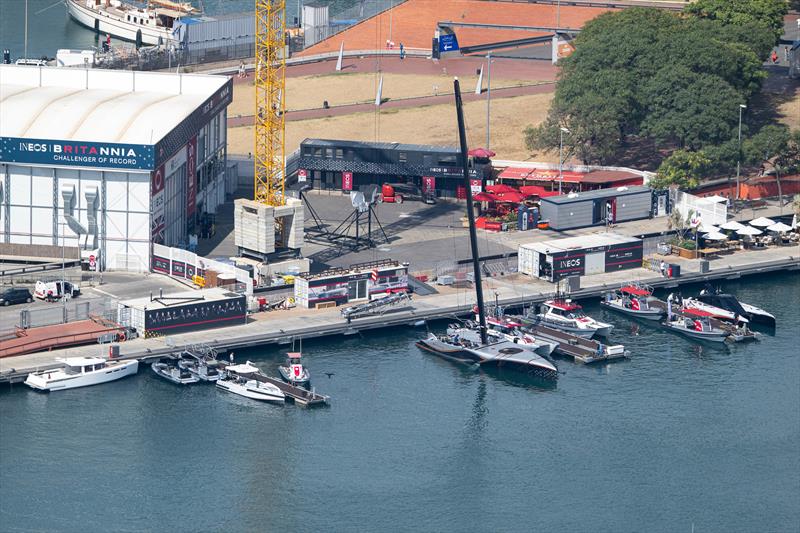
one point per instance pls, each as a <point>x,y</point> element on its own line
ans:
<point>577,243</point>
<point>380,145</point>
<point>598,193</point>
<point>74,104</point>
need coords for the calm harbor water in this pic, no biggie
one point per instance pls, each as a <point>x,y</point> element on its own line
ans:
<point>679,436</point>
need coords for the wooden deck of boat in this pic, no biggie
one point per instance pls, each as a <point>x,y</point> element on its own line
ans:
<point>299,395</point>
<point>581,350</point>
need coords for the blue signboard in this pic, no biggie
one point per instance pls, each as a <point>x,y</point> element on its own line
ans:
<point>448,42</point>
<point>76,153</point>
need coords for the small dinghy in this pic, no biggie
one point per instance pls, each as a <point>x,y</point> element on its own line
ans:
<point>636,301</point>
<point>205,370</point>
<point>174,373</point>
<point>293,371</point>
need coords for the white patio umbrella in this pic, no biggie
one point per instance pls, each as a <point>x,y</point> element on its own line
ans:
<point>749,231</point>
<point>715,236</point>
<point>762,222</point>
<point>733,226</point>
<point>708,228</point>
<point>779,227</point>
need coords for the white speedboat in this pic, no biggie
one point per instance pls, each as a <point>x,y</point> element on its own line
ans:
<point>251,388</point>
<point>717,312</point>
<point>567,315</point>
<point>174,373</point>
<point>81,372</point>
<point>696,324</point>
<point>293,371</point>
<point>243,380</point>
<point>149,25</point>
<point>635,301</point>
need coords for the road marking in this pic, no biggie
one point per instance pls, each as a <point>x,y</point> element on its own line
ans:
<point>104,292</point>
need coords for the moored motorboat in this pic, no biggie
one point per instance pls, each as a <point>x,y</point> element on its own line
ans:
<point>81,372</point>
<point>729,302</point>
<point>203,369</point>
<point>174,373</point>
<point>566,315</point>
<point>634,300</point>
<point>504,328</point>
<point>696,324</point>
<point>242,379</point>
<point>717,312</point>
<point>293,371</point>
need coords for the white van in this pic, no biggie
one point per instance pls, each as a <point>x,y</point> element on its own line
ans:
<point>53,290</point>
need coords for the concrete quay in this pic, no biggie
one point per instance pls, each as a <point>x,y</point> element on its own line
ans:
<point>281,327</point>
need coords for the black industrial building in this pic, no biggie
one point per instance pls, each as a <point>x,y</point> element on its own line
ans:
<point>347,165</point>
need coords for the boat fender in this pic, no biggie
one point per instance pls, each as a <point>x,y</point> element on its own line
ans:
<point>635,305</point>
<point>698,326</point>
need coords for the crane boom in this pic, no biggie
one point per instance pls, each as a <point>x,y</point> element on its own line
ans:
<point>270,84</point>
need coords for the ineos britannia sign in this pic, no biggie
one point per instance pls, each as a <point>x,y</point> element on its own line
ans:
<point>76,153</point>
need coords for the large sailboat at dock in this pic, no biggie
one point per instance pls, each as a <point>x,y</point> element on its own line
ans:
<point>473,345</point>
<point>152,24</point>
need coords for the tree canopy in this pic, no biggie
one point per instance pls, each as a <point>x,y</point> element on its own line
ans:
<point>649,75</point>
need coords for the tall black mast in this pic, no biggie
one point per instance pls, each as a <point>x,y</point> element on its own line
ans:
<point>473,234</point>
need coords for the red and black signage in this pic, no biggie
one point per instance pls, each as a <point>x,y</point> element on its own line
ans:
<point>622,256</point>
<point>197,315</point>
<point>160,264</point>
<point>569,264</point>
<point>179,269</point>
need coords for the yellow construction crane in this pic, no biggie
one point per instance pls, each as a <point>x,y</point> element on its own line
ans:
<point>270,85</point>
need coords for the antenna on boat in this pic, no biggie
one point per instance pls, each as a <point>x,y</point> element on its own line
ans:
<point>473,234</point>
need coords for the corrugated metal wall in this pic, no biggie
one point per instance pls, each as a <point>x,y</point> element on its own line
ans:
<point>221,31</point>
<point>634,206</point>
<point>568,216</point>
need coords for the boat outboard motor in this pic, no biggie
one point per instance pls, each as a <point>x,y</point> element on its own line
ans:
<point>6,56</point>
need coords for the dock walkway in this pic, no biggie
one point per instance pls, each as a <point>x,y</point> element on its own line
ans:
<point>512,292</point>
<point>586,351</point>
<point>299,395</point>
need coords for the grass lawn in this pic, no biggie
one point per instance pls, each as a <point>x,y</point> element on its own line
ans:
<point>434,125</point>
<point>308,92</point>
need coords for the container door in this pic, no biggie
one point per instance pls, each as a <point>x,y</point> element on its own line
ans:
<point>595,263</point>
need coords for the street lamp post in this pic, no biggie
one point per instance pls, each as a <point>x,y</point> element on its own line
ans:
<point>742,107</point>
<point>561,158</point>
<point>488,94</point>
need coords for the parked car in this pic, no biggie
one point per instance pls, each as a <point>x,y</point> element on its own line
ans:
<point>15,295</point>
<point>406,191</point>
<point>53,290</point>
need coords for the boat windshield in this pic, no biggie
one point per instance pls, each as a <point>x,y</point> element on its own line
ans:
<point>72,370</point>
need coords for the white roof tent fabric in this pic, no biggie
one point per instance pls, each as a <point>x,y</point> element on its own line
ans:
<point>762,222</point>
<point>75,105</point>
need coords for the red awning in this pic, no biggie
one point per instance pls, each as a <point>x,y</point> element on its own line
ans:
<point>696,312</point>
<point>511,197</point>
<point>635,291</point>
<point>484,197</point>
<point>481,152</point>
<point>501,188</point>
<point>537,190</point>
<point>540,174</point>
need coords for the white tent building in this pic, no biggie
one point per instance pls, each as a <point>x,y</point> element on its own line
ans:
<point>111,160</point>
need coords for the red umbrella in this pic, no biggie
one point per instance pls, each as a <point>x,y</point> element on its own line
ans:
<point>481,152</point>
<point>501,188</point>
<point>484,197</point>
<point>512,197</point>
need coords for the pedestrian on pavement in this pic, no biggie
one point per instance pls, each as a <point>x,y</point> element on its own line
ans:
<point>231,357</point>
<point>663,268</point>
<point>774,56</point>
<point>402,51</point>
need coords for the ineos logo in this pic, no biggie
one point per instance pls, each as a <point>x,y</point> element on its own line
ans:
<point>571,263</point>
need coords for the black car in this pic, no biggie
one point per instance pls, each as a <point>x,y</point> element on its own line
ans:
<point>15,295</point>
<point>409,191</point>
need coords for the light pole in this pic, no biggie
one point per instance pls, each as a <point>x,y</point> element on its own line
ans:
<point>561,157</point>
<point>488,94</point>
<point>742,107</point>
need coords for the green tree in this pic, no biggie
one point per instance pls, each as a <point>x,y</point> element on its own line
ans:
<point>740,12</point>
<point>682,169</point>
<point>690,109</point>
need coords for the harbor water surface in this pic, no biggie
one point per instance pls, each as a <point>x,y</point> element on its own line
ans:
<point>680,436</point>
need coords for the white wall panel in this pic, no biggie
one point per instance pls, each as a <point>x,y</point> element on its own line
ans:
<point>89,179</point>
<point>20,220</point>
<point>42,222</point>
<point>20,185</point>
<point>159,83</point>
<point>42,190</point>
<point>64,77</point>
<point>116,192</point>
<point>111,79</point>
<point>42,240</point>
<point>115,224</point>
<point>139,192</point>
<point>138,225</point>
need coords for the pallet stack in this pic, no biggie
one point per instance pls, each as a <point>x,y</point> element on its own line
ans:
<point>254,226</point>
